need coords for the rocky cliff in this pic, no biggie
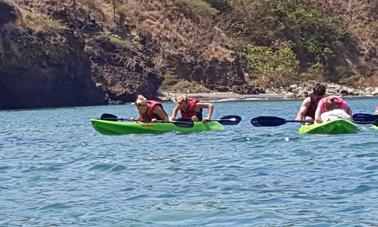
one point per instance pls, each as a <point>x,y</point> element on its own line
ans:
<point>49,57</point>
<point>89,52</point>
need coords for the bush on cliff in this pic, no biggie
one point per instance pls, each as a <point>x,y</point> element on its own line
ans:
<point>277,65</point>
<point>315,38</point>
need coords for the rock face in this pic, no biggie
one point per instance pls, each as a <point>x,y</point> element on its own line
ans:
<point>121,70</point>
<point>40,70</point>
<point>52,67</point>
<point>216,75</point>
<point>43,69</point>
<point>82,52</point>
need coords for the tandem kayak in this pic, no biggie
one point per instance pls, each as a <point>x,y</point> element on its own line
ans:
<point>128,127</point>
<point>338,126</point>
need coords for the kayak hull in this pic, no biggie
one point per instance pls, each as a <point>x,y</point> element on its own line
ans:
<point>128,127</point>
<point>338,126</point>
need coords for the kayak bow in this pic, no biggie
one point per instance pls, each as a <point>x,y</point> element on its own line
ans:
<point>338,126</point>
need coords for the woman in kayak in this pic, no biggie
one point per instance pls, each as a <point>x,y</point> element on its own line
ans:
<point>331,108</point>
<point>192,108</point>
<point>150,110</point>
<point>309,105</point>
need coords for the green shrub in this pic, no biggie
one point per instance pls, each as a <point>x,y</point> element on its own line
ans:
<point>315,38</point>
<point>279,62</point>
<point>314,72</point>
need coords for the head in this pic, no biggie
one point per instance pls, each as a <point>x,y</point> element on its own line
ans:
<point>319,90</point>
<point>182,101</point>
<point>331,103</point>
<point>141,102</point>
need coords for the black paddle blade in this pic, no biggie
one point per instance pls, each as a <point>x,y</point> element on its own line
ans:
<point>109,117</point>
<point>183,123</point>
<point>230,120</point>
<point>362,118</point>
<point>267,121</point>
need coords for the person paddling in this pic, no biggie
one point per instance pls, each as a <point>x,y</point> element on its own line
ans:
<point>376,110</point>
<point>150,110</point>
<point>192,108</point>
<point>332,107</point>
<point>309,105</point>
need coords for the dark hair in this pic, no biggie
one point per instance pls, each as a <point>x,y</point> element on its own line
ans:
<point>319,90</point>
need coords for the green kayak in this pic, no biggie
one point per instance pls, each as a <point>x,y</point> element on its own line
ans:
<point>128,127</point>
<point>375,127</point>
<point>338,126</point>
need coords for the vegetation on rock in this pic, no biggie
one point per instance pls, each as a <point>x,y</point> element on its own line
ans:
<point>125,47</point>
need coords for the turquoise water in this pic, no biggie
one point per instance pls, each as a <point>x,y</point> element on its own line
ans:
<point>56,170</point>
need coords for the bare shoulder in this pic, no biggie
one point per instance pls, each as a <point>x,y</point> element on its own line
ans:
<point>306,101</point>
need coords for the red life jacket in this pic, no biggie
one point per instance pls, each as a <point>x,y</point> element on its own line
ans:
<point>149,115</point>
<point>190,110</point>
<point>314,104</point>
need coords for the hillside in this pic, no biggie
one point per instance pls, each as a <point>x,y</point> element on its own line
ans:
<point>88,52</point>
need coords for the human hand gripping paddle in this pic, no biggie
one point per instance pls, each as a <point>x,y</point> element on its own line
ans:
<point>363,118</point>
<point>183,123</point>
<point>270,121</point>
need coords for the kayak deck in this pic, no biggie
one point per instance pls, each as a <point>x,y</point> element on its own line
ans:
<point>129,127</point>
<point>338,126</point>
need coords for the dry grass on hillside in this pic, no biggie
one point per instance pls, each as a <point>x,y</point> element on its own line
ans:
<point>40,22</point>
<point>177,33</point>
<point>360,18</point>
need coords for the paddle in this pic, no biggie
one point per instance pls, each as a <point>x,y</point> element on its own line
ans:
<point>229,120</point>
<point>269,121</point>
<point>363,118</point>
<point>183,123</point>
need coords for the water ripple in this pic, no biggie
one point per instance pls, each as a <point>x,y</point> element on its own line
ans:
<point>55,170</point>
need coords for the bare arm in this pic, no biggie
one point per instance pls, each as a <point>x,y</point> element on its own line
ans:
<point>174,112</point>
<point>209,106</point>
<point>349,112</point>
<point>303,109</point>
<point>318,112</point>
<point>161,113</point>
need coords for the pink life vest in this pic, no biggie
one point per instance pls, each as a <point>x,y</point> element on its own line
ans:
<point>341,104</point>
<point>190,110</point>
<point>149,115</point>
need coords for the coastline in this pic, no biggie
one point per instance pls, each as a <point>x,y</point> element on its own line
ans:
<point>293,92</point>
<point>231,96</point>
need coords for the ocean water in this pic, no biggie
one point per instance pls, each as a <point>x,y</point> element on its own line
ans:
<point>56,170</point>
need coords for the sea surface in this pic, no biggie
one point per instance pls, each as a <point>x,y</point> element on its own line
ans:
<point>56,170</point>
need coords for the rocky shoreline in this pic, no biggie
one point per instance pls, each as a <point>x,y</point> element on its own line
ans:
<point>293,92</point>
